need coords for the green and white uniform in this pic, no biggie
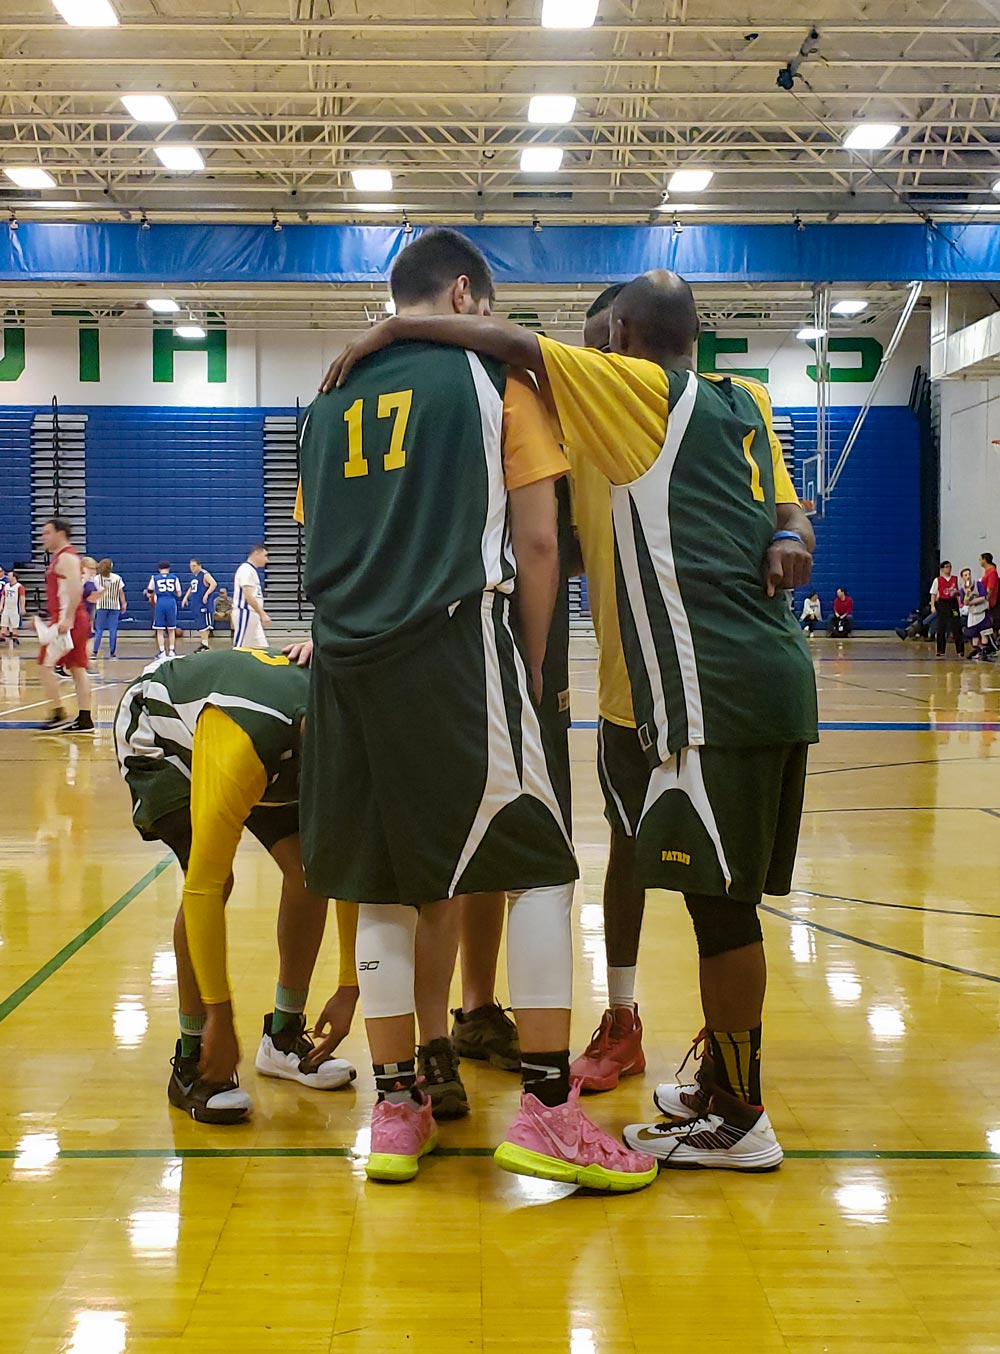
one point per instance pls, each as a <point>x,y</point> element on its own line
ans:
<point>424,772</point>
<point>155,725</point>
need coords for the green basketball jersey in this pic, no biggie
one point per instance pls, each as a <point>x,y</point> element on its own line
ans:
<point>154,727</point>
<point>404,496</point>
<point>712,659</point>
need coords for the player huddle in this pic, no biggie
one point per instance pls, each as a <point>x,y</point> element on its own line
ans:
<point>432,764</point>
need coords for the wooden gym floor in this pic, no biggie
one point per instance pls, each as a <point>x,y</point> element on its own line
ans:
<point>127,1229</point>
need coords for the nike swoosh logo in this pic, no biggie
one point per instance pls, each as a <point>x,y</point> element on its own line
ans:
<point>655,1133</point>
<point>570,1149</point>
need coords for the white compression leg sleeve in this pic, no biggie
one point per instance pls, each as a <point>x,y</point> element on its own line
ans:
<point>540,948</point>
<point>385,956</point>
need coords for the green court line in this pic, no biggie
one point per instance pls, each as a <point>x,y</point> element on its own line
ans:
<point>252,1153</point>
<point>53,965</point>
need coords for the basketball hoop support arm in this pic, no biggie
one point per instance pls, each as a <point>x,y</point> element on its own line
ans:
<point>911,301</point>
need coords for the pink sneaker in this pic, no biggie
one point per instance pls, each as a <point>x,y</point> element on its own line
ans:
<point>614,1051</point>
<point>401,1135</point>
<point>562,1144</point>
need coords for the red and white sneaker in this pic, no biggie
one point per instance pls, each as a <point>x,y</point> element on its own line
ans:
<point>401,1135</point>
<point>615,1051</point>
<point>732,1136</point>
<point>688,1099</point>
<point>561,1143</point>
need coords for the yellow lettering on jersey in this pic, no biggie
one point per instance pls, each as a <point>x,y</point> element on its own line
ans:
<point>399,403</point>
<point>273,660</point>
<point>675,857</point>
<point>355,465</point>
<point>755,485</point>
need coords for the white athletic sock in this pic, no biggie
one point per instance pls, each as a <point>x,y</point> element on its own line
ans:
<point>621,986</point>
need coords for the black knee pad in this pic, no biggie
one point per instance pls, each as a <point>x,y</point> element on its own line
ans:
<point>722,924</point>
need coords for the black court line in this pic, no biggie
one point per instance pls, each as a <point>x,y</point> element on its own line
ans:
<point>903,907</point>
<point>879,766</point>
<point>872,690</point>
<point>883,949</point>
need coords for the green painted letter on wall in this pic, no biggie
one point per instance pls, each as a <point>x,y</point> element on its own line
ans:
<point>166,343</point>
<point>871,358</point>
<point>710,345</point>
<point>12,361</point>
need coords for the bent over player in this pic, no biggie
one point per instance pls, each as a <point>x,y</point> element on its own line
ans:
<point>721,679</point>
<point>424,772</point>
<point>208,745</point>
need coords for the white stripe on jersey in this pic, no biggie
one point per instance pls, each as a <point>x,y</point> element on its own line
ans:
<point>495,532</point>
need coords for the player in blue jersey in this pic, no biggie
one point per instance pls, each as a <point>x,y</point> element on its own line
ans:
<point>164,590</point>
<point>200,590</point>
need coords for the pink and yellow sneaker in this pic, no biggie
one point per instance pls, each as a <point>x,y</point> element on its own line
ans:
<point>562,1144</point>
<point>401,1135</point>
<point>615,1051</point>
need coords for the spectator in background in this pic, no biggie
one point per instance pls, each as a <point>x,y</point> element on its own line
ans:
<point>992,581</point>
<point>164,590</point>
<point>11,607</point>
<point>978,616</point>
<point>841,623</point>
<point>110,606</point>
<point>812,613</point>
<point>223,610</point>
<point>945,603</point>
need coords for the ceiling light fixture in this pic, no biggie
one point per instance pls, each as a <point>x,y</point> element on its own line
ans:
<point>849,307</point>
<point>87,13</point>
<point>275,223</point>
<point>30,176</point>
<point>151,108</point>
<point>189,331</point>
<point>810,333</point>
<point>372,180</point>
<point>996,187</point>
<point>871,135</point>
<point>536,225</point>
<point>163,305</point>
<point>569,13</point>
<point>690,180</point>
<point>541,159</point>
<point>551,108</point>
<point>390,306</point>
<point>144,222</point>
<point>407,228</point>
<point>181,159</point>
<point>12,221</point>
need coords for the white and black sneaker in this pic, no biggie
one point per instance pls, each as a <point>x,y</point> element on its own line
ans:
<point>79,725</point>
<point>688,1099</point>
<point>288,1053</point>
<point>731,1136</point>
<point>205,1101</point>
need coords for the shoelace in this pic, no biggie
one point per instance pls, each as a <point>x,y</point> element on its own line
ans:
<point>442,1065</point>
<point>700,1042</point>
<point>596,1039</point>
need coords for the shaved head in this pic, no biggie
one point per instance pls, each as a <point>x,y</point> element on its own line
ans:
<point>655,317</point>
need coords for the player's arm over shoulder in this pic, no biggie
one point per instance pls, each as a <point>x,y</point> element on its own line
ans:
<point>531,439</point>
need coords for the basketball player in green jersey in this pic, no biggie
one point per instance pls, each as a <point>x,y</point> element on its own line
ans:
<point>722,684</point>
<point>424,772</point>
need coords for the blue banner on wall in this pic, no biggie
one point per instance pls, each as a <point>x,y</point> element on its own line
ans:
<point>100,252</point>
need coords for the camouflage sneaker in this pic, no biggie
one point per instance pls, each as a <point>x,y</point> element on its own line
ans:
<point>437,1068</point>
<point>487,1035</point>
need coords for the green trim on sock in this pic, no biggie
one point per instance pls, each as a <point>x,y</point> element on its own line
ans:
<point>191,1029</point>
<point>289,1004</point>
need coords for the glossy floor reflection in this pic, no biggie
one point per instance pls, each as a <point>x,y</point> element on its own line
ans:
<point>127,1229</point>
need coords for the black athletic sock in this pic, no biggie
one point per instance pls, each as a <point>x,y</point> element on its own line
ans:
<point>546,1075</point>
<point>736,1059</point>
<point>397,1082</point>
<point>85,719</point>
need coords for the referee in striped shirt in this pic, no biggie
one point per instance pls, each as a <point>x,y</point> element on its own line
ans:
<point>110,603</point>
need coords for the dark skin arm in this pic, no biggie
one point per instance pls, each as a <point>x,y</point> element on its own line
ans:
<point>789,564</point>
<point>508,343</point>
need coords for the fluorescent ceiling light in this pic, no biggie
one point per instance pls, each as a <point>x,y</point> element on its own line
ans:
<point>359,208</point>
<point>849,307</point>
<point>810,333</point>
<point>871,135</point>
<point>181,159</point>
<point>390,306</point>
<point>54,206</point>
<point>372,180</point>
<point>551,108</point>
<point>996,186</point>
<point>569,13</point>
<point>30,176</point>
<point>690,180</point>
<point>149,107</point>
<point>163,305</point>
<point>189,331</point>
<point>541,159</point>
<point>87,13</point>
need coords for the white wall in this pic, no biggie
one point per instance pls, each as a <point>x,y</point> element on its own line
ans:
<point>272,369</point>
<point>970,470</point>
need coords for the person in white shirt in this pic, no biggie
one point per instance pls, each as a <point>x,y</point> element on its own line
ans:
<point>812,613</point>
<point>250,620</point>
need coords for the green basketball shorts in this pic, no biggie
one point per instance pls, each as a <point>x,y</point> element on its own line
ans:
<point>723,821</point>
<point>624,774</point>
<point>424,771</point>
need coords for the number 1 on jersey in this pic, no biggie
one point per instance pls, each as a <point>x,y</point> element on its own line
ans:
<point>398,403</point>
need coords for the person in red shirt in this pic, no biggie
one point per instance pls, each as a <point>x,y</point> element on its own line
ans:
<point>68,613</point>
<point>946,602</point>
<point>991,581</point>
<point>841,623</point>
